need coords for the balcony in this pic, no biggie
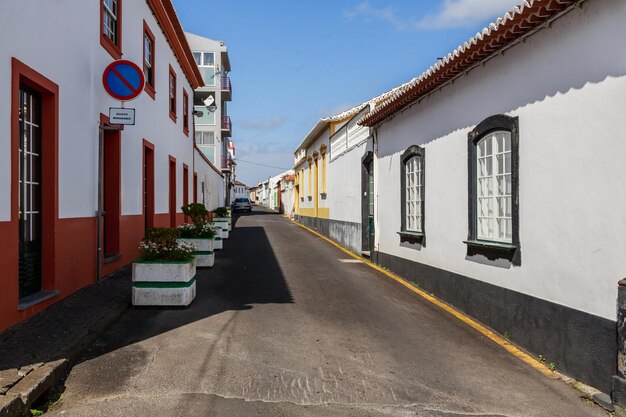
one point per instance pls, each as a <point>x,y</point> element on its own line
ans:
<point>226,127</point>
<point>226,164</point>
<point>227,88</point>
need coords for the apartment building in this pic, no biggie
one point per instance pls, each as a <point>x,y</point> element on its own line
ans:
<point>213,127</point>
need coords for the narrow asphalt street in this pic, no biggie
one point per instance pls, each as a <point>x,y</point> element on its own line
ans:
<point>285,324</point>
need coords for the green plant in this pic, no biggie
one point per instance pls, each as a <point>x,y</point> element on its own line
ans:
<point>221,212</point>
<point>203,230</point>
<point>160,245</point>
<point>542,359</point>
<point>552,366</point>
<point>507,336</point>
<point>35,412</point>
<point>196,211</point>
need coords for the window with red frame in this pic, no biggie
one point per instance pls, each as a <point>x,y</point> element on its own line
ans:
<point>148,59</point>
<point>172,95</point>
<point>111,27</point>
<point>185,112</point>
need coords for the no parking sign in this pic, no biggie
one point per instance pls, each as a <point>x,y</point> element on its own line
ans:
<point>123,80</point>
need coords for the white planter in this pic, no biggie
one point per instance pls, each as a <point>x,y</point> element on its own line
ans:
<point>218,243</point>
<point>164,283</point>
<point>223,233</point>
<point>205,259</point>
<point>200,244</point>
<point>226,220</point>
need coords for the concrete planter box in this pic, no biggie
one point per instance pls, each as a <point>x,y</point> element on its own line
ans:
<point>225,220</point>
<point>223,232</point>
<point>205,259</point>
<point>164,283</point>
<point>218,243</point>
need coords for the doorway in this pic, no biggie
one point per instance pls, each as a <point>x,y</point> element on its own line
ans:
<point>148,186</point>
<point>367,204</point>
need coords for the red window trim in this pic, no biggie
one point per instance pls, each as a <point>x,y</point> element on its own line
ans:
<point>172,113</point>
<point>22,74</point>
<point>185,113</point>
<point>115,50</point>
<point>149,88</point>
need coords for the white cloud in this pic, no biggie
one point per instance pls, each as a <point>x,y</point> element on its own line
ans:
<point>369,13</point>
<point>463,13</point>
<point>452,14</point>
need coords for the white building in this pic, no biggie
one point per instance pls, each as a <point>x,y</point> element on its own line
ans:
<point>499,180</point>
<point>210,105</point>
<point>241,190</point>
<point>54,97</point>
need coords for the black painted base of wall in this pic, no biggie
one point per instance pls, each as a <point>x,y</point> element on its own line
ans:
<point>347,234</point>
<point>581,345</point>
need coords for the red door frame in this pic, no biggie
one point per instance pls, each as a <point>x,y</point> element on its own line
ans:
<point>172,196</point>
<point>22,74</point>
<point>185,187</point>
<point>148,159</point>
<point>112,189</point>
<point>195,187</point>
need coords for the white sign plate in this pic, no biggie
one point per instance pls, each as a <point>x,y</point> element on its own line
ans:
<point>121,116</point>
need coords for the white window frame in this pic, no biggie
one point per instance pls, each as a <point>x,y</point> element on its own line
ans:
<point>494,198</point>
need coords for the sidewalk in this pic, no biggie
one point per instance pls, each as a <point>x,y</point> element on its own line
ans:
<point>37,354</point>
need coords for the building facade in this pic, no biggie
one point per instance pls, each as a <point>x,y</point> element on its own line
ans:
<point>489,195</point>
<point>52,118</point>
<point>210,107</point>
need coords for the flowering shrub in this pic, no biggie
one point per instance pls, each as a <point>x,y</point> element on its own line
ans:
<point>203,230</point>
<point>221,212</point>
<point>160,245</point>
<point>196,211</point>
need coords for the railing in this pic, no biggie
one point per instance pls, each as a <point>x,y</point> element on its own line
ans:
<point>226,86</point>
<point>225,162</point>
<point>226,123</point>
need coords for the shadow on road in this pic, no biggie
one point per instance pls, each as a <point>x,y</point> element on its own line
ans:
<point>245,273</point>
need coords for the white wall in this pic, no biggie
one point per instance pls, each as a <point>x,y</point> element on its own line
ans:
<point>72,57</point>
<point>567,84</point>
<point>213,184</point>
<point>344,184</point>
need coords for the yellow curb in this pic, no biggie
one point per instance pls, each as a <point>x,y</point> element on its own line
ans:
<point>512,349</point>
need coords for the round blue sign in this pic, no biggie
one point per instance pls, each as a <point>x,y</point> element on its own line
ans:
<point>123,80</point>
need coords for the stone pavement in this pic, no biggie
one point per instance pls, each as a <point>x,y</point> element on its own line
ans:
<point>37,353</point>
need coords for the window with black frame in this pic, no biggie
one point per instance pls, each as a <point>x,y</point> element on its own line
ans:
<point>412,188</point>
<point>493,148</point>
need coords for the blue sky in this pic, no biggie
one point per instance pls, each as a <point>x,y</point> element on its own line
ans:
<point>296,61</point>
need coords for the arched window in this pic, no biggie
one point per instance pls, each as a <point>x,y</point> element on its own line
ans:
<point>493,148</point>
<point>412,194</point>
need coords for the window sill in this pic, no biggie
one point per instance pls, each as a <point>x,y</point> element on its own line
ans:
<point>110,47</point>
<point>411,237</point>
<point>36,298</point>
<point>493,250</point>
<point>506,247</point>
<point>150,91</point>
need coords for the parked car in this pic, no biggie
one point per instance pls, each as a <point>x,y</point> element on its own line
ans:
<point>242,204</point>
